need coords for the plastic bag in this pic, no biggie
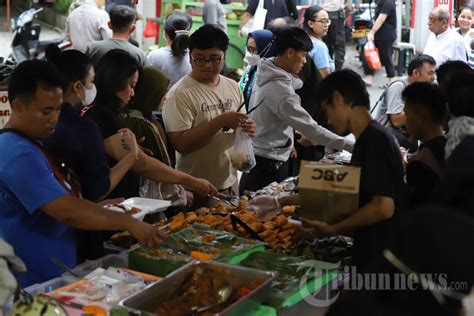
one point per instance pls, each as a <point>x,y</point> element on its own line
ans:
<point>371,54</point>
<point>163,191</point>
<point>241,155</point>
<point>150,29</point>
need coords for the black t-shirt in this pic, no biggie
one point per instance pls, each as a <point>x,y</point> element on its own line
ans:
<point>421,179</point>
<point>379,158</point>
<point>456,187</point>
<point>78,142</point>
<point>278,9</point>
<point>388,30</point>
<point>308,93</point>
<point>109,123</point>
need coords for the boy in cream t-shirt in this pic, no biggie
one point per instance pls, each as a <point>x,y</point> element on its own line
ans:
<point>200,112</point>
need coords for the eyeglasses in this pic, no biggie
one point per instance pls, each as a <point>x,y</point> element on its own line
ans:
<point>325,22</point>
<point>214,61</point>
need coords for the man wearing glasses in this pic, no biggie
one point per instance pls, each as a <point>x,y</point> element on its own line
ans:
<point>201,108</point>
<point>443,43</point>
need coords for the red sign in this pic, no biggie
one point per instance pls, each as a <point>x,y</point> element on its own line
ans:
<point>5,109</point>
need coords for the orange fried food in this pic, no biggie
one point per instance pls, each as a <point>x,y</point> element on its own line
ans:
<point>200,256</point>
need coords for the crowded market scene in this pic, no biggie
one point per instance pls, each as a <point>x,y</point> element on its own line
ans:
<point>255,157</point>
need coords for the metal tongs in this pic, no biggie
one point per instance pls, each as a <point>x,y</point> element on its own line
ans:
<point>224,199</point>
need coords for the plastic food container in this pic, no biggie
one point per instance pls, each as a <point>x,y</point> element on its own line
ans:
<point>116,261</point>
<point>146,206</point>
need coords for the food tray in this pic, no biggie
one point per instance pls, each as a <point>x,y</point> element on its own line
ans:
<point>146,206</point>
<point>292,272</point>
<point>143,260</point>
<point>149,299</point>
<point>151,206</point>
<point>116,261</point>
<point>51,285</point>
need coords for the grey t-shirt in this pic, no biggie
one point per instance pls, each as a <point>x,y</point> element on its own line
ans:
<point>97,50</point>
<point>392,102</point>
<point>213,13</point>
<point>173,67</point>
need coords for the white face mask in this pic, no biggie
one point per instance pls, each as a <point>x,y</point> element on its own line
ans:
<point>251,59</point>
<point>90,95</point>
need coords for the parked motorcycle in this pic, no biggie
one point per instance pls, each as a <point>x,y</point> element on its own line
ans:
<point>362,24</point>
<point>26,44</point>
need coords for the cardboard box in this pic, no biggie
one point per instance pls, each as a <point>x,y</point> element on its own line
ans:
<point>328,192</point>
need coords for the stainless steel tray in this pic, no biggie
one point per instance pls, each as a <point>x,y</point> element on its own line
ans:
<point>149,298</point>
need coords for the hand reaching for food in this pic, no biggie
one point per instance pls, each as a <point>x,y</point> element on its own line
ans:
<point>265,206</point>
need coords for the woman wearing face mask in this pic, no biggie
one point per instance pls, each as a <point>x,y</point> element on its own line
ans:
<point>108,111</point>
<point>466,23</point>
<point>259,45</point>
<point>77,141</point>
<point>316,24</point>
<point>173,60</point>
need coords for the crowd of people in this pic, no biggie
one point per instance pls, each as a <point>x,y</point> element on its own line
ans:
<point>84,132</point>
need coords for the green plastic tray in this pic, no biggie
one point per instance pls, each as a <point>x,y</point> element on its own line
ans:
<point>286,288</point>
<point>238,250</point>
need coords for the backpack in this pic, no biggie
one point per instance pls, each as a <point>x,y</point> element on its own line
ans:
<point>384,120</point>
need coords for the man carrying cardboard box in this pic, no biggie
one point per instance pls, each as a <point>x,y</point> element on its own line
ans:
<point>344,97</point>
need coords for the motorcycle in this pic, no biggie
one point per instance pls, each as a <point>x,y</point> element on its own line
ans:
<point>363,22</point>
<point>26,44</point>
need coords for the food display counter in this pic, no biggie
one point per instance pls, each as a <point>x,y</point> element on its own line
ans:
<point>213,261</point>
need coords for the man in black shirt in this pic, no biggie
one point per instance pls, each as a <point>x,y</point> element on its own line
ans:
<point>425,111</point>
<point>346,102</point>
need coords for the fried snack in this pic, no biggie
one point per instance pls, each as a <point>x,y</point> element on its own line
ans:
<point>285,233</point>
<point>200,256</point>
<point>281,220</point>
<point>288,225</point>
<point>191,217</point>
<point>179,222</point>
<point>265,234</point>
<point>288,210</point>
<point>269,225</point>
<point>257,227</point>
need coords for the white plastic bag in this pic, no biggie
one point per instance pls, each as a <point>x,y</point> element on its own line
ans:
<point>241,155</point>
<point>257,22</point>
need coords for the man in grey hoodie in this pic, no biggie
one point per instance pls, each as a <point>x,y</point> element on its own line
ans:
<point>281,112</point>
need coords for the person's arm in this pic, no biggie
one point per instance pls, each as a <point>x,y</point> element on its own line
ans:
<point>86,215</point>
<point>103,27</point>
<point>398,120</point>
<point>267,206</point>
<point>378,209</point>
<point>248,14</point>
<point>245,18</point>
<point>209,12</point>
<point>154,169</point>
<point>395,104</point>
<point>291,112</point>
<point>197,137</point>
<point>117,172</point>
<point>377,25</point>
<point>324,72</point>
